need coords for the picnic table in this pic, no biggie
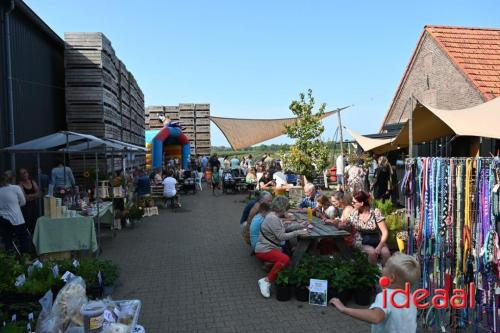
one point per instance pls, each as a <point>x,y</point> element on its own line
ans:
<point>320,231</point>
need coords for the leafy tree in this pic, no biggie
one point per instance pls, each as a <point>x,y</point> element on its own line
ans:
<point>309,154</point>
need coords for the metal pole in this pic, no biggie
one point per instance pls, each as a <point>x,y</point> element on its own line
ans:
<point>410,130</point>
<point>97,203</point>
<point>341,136</point>
<point>10,94</point>
<point>40,198</point>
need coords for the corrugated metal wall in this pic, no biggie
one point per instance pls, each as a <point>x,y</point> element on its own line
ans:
<point>38,82</point>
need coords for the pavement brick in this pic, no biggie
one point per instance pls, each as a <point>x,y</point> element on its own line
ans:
<point>193,273</point>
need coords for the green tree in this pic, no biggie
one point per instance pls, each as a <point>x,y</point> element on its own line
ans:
<point>309,154</point>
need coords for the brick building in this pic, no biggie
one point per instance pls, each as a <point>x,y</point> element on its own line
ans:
<point>451,68</point>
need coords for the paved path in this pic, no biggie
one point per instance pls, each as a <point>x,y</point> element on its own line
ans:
<point>193,273</point>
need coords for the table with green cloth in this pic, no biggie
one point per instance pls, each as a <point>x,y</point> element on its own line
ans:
<point>69,233</point>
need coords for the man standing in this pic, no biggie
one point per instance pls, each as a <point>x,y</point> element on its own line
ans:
<point>340,170</point>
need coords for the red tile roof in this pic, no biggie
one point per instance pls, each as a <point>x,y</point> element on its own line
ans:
<point>476,52</point>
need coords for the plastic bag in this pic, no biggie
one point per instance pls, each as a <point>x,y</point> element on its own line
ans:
<point>46,322</point>
<point>68,303</point>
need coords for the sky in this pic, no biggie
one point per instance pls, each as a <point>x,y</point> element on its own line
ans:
<point>250,59</point>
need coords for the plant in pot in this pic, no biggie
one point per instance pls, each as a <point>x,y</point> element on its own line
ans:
<point>340,283</point>
<point>10,269</point>
<point>283,288</point>
<point>365,277</point>
<point>109,273</point>
<point>301,278</point>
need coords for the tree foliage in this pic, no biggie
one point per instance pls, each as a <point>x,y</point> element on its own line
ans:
<point>309,154</point>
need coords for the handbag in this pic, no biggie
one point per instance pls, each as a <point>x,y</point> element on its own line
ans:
<point>370,239</point>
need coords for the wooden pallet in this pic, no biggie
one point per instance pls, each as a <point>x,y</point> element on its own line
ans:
<point>202,107</point>
<point>187,121</point>
<point>188,129</point>
<point>186,114</point>
<point>202,136</point>
<point>186,107</point>
<point>171,108</point>
<point>202,121</point>
<point>89,40</point>
<point>76,58</point>
<point>203,151</point>
<point>99,95</point>
<point>203,144</point>
<point>101,130</point>
<point>88,77</point>
<point>202,114</point>
<point>202,129</point>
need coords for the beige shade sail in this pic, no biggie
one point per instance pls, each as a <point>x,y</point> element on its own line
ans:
<point>371,144</point>
<point>242,133</point>
<point>430,123</point>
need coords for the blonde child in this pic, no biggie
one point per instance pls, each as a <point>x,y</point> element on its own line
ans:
<point>399,269</point>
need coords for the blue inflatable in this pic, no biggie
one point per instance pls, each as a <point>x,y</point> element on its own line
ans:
<point>170,134</point>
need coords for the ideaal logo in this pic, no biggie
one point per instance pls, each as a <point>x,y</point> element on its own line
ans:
<point>440,300</point>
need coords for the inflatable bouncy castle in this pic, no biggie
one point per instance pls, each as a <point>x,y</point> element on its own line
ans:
<point>170,142</point>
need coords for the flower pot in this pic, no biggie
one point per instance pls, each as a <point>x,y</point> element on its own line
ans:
<point>301,293</point>
<point>363,297</point>
<point>344,296</point>
<point>401,244</point>
<point>283,292</point>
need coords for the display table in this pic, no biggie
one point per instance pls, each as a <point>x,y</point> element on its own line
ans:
<point>69,233</point>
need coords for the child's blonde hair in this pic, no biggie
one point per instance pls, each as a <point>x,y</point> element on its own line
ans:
<point>405,269</point>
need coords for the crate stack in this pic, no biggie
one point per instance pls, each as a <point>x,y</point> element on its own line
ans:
<point>194,119</point>
<point>102,97</point>
<point>202,129</point>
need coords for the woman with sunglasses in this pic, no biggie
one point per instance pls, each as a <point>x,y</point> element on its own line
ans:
<point>370,225</point>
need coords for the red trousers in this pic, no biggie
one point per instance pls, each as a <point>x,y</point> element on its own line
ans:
<point>279,259</point>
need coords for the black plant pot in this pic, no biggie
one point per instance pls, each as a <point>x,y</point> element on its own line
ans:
<point>344,296</point>
<point>363,296</point>
<point>95,291</point>
<point>301,293</point>
<point>17,298</point>
<point>283,292</point>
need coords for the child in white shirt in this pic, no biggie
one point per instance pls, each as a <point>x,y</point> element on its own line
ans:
<point>399,269</point>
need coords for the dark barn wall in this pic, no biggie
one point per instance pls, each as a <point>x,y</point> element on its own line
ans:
<point>37,56</point>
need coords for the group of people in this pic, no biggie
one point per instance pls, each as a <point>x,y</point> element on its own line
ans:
<point>19,209</point>
<point>379,177</point>
<point>271,229</point>
<point>269,226</point>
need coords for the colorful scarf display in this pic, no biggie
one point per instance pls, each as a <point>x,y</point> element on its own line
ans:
<point>453,211</point>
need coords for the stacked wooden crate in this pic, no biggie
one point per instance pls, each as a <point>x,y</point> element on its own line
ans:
<point>102,96</point>
<point>194,119</point>
<point>92,85</point>
<point>202,129</point>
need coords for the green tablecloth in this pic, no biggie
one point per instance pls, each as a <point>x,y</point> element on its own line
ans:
<point>69,233</point>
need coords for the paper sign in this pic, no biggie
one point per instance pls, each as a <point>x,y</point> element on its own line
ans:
<point>20,280</point>
<point>76,263</point>
<point>109,317</point>
<point>67,276</point>
<point>37,264</point>
<point>31,317</point>
<point>496,188</point>
<point>318,290</point>
<point>28,327</point>
<point>14,317</point>
<point>99,278</point>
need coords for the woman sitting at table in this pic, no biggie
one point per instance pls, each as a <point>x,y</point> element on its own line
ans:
<point>342,202</point>
<point>251,178</point>
<point>370,225</point>
<point>266,182</point>
<point>254,232</point>
<point>273,233</point>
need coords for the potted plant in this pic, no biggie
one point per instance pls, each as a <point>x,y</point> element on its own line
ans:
<point>301,281</point>
<point>365,277</point>
<point>283,289</point>
<point>340,282</point>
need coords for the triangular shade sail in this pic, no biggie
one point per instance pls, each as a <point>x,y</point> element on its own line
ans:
<point>242,133</point>
<point>371,144</point>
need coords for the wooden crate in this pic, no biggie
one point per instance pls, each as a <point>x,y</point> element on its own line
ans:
<point>202,136</point>
<point>91,112</point>
<point>202,107</point>
<point>171,108</point>
<point>191,137</point>
<point>172,115</point>
<point>89,40</point>
<point>98,95</point>
<point>125,110</point>
<point>202,121</point>
<point>75,58</point>
<point>186,107</point>
<point>202,129</point>
<point>187,121</point>
<point>203,144</point>
<point>188,129</point>
<point>186,114</point>
<point>203,151</point>
<point>202,114</point>
<point>90,77</point>
<point>101,130</point>
<point>154,109</point>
